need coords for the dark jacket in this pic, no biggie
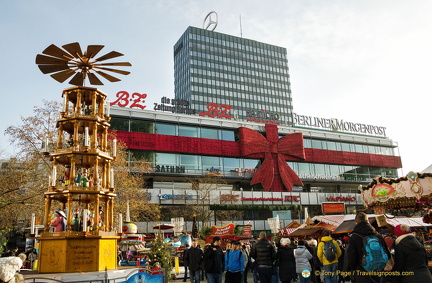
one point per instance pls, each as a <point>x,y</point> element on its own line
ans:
<point>286,260</point>
<point>341,259</point>
<point>193,257</point>
<point>214,261</point>
<point>263,253</point>
<point>355,251</point>
<point>410,255</point>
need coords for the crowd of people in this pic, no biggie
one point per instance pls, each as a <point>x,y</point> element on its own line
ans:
<point>365,255</point>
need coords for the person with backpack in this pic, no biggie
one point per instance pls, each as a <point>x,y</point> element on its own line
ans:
<point>214,261</point>
<point>410,256</point>
<point>234,263</point>
<point>366,252</point>
<point>328,252</point>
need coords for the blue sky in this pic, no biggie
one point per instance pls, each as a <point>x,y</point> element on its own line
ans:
<point>360,61</point>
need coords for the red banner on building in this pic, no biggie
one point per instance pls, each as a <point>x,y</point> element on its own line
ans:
<point>333,207</point>
<point>222,231</point>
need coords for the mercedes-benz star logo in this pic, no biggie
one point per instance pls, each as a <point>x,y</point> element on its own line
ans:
<point>210,21</point>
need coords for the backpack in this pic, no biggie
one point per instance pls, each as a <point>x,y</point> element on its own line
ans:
<point>329,250</point>
<point>374,255</point>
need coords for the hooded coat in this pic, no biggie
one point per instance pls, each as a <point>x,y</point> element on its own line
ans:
<point>355,251</point>
<point>302,257</point>
<point>410,255</point>
<point>287,265</point>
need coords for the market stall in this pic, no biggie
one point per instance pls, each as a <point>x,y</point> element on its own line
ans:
<point>406,195</point>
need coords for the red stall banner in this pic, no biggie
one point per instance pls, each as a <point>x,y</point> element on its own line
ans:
<point>222,231</point>
<point>333,207</point>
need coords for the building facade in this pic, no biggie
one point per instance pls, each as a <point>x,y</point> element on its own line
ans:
<point>179,147</point>
<point>232,96</point>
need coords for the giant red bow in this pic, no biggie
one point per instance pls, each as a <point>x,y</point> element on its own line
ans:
<point>274,168</point>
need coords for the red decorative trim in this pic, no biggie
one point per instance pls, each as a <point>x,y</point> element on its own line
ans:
<point>164,143</point>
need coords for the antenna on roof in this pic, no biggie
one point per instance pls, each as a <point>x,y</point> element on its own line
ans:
<point>241,31</point>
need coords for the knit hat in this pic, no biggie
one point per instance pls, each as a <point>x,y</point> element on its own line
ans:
<point>401,229</point>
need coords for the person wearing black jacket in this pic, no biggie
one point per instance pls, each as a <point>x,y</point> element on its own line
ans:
<point>355,249</point>
<point>410,256</point>
<point>214,262</point>
<point>264,254</point>
<point>286,260</point>
<point>192,259</point>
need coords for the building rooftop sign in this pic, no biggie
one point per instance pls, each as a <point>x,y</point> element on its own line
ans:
<point>180,106</point>
<point>338,125</point>
<point>211,21</point>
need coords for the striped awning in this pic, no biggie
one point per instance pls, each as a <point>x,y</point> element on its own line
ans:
<point>410,221</point>
<point>288,231</point>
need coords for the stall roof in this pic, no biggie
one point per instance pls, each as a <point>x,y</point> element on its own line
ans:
<point>410,221</point>
<point>305,231</point>
<point>337,220</point>
<point>326,226</point>
<point>288,231</point>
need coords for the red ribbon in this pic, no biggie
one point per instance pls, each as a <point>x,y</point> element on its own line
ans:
<point>274,169</point>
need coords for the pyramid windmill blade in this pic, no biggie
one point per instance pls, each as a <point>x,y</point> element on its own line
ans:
<point>108,77</point>
<point>115,71</point>
<point>55,51</point>
<point>94,80</point>
<point>74,49</point>
<point>64,63</point>
<point>78,79</point>
<point>62,76</point>
<point>46,60</point>
<point>93,50</point>
<point>112,54</point>
<point>46,69</point>
<point>127,64</point>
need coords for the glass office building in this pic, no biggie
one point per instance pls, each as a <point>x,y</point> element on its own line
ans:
<point>250,76</point>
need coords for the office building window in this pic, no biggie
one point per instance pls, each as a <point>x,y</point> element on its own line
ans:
<point>165,129</point>
<point>166,159</point>
<point>119,124</point>
<point>188,131</point>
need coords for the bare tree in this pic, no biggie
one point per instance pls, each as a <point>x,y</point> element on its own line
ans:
<point>24,178</point>
<point>130,186</point>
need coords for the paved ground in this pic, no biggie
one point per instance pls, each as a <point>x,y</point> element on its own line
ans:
<point>32,276</point>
